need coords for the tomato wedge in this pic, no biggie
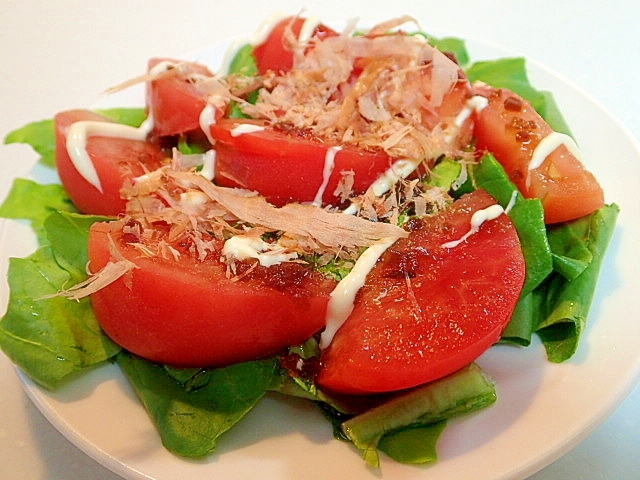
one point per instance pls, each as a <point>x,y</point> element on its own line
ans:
<point>426,310</point>
<point>114,159</point>
<point>173,100</point>
<point>187,312</point>
<point>287,167</point>
<point>511,130</point>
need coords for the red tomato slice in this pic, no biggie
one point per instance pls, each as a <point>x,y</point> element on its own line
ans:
<point>273,54</point>
<point>425,310</point>
<point>174,101</point>
<point>114,159</point>
<point>188,313</point>
<point>286,167</point>
<point>511,129</point>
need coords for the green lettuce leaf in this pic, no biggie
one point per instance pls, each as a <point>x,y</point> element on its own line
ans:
<point>571,253</point>
<point>243,64</point>
<point>191,420</point>
<point>568,301</point>
<point>68,235</point>
<point>402,418</point>
<point>35,202</point>
<point>133,116</point>
<point>39,135</point>
<point>522,324</point>
<point>527,216</point>
<point>48,336</point>
<point>453,46</point>
<point>413,445</point>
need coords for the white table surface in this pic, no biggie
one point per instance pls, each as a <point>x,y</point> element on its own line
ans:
<point>62,54</point>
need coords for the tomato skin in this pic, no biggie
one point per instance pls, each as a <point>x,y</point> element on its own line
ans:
<point>287,167</point>
<point>115,160</point>
<point>174,102</point>
<point>188,313</point>
<point>458,303</point>
<point>272,54</point>
<point>511,129</point>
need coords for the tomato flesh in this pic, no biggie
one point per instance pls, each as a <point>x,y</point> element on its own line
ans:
<point>273,54</point>
<point>426,311</point>
<point>175,102</point>
<point>114,159</point>
<point>289,167</point>
<point>189,313</point>
<point>511,129</point>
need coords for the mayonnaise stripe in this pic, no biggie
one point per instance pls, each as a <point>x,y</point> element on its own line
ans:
<point>547,146</point>
<point>329,164</point>
<point>341,301</point>
<point>79,132</point>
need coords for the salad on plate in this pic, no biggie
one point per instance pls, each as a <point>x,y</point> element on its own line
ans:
<point>350,217</point>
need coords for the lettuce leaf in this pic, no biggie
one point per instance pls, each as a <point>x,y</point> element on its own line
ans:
<point>567,301</point>
<point>418,414</point>
<point>48,336</point>
<point>191,420</point>
<point>133,116</point>
<point>35,202</point>
<point>243,64</point>
<point>453,46</point>
<point>527,216</point>
<point>40,136</point>
<point>562,266</point>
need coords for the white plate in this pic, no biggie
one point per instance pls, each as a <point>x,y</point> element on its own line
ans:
<point>542,411</point>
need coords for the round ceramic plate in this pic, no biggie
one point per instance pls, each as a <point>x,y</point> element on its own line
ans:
<point>543,409</point>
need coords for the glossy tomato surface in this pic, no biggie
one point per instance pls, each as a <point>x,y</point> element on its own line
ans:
<point>187,312</point>
<point>173,99</point>
<point>115,160</point>
<point>511,129</point>
<point>289,166</point>
<point>426,311</point>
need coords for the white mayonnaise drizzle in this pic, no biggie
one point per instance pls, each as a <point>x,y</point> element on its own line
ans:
<point>206,119</point>
<point>343,295</point>
<point>475,104</point>
<point>480,216</point>
<point>329,163</point>
<point>242,247</point>
<point>308,27</point>
<point>208,114</point>
<point>79,132</point>
<point>208,165</point>
<point>244,128</point>
<point>547,146</point>
<point>192,199</point>
<point>399,170</point>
